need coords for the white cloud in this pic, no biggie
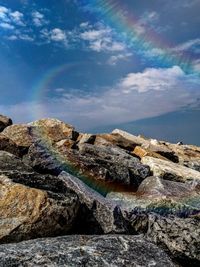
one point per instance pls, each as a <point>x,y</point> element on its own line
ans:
<point>119,57</point>
<point>116,104</point>
<point>152,79</point>
<point>193,44</point>
<point>101,38</point>
<point>38,19</point>
<point>17,18</point>
<point>84,24</point>
<point>58,35</point>
<point>6,26</point>
<point>3,13</point>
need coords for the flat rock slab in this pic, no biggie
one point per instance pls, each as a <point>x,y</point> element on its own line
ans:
<point>170,171</point>
<point>88,251</point>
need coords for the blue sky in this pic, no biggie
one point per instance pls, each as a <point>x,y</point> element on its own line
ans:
<point>98,63</point>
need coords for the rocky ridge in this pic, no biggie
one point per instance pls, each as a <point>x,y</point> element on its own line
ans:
<point>96,200</point>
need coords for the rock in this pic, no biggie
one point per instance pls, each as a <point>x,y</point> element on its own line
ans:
<point>137,140</point>
<point>119,165</point>
<point>55,130</point>
<point>160,196</point>
<point>28,213</point>
<point>8,145</point>
<point>155,186</point>
<point>47,130</point>
<point>18,172</point>
<point>116,140</point>
<point>20,134</point>
<point>102,165</point>
<point>65,144</point>
<point>87,139</point>
<point>99,214</point>
<point>4,122</point>
<point>170,171</point>
<point>181,237</point>
<point>188,155</point>
<point>151,144</point>
<point>90,251</point>
<point>142,152</point>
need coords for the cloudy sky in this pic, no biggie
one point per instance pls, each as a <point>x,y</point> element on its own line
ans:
<point>97,63</point>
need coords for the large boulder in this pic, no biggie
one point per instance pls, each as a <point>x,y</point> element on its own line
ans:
<point>152,145</point>
<point>32,205</point>
<point>21,134</point>
<point>8,145</point>
<point>96,214</point>
<point>49,130</point>
<point>160,196</point>
<point>188,155</point>
<point>180,237</point>
<point>90,251</point>
<point>27,213</point>
<point>102,165</point>
<point>4,122</point>
<point>170,171</point>
<point>54,130</point>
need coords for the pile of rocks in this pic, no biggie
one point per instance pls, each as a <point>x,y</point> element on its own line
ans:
<point>74,199</point>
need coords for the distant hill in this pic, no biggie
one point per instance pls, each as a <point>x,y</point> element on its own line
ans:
<point>177,126</point>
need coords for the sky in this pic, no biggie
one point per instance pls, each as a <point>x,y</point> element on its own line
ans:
<point>99,63</point>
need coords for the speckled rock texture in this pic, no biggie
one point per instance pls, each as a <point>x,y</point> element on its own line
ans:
<point>121,199</point>
<point>88,251</point>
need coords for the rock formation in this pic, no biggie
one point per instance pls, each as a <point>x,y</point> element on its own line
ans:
<point>77,199</point>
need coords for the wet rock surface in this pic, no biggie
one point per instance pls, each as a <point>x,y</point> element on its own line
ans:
<point>55,181</point>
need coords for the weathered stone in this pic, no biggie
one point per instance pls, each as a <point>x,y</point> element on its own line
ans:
<point>137,140</point>
<point>49,130</point>
<point>121,166</point>
<point>86,138</point>
<point>27,213</point>
<point>20,134</point>
<point>18,172</point>
<point>4,122</point>
<point>180,237</point>
<point>155,186</point>
<point>143,152</point>
<point>170,171</point>
<point>100,164</point>
<point>90,251</point>
<point>116,140</point>
<point>55,130</point>
<point>160,196</point>
<point>65,144</point>
<point>8,145</point>
<point>188,155</point>
<point>101,215</point>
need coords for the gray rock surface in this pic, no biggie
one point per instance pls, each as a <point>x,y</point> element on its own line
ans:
<point>97,214</point>
<point>180,237</point>
<point>88,251</point>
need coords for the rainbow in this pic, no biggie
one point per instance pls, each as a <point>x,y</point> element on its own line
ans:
<point>111,11</point>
